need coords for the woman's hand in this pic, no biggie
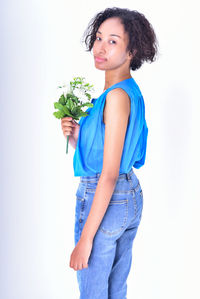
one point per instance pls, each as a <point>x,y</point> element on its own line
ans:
<point>70,127</point>
<point>80,255</point>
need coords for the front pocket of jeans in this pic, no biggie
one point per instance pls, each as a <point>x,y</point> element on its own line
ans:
<point>115,217</point>
<point>80,209</point>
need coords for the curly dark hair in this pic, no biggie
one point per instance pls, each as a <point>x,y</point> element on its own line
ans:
<point>143,43</point>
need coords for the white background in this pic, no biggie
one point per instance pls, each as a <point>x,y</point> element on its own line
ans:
<point>40,49</point>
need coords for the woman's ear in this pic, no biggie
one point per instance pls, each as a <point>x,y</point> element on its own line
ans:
<point>132,54</point>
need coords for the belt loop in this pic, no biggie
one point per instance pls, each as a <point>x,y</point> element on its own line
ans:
<point>127,176</point>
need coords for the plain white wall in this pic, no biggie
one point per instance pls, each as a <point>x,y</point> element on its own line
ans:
<point>40,49</point>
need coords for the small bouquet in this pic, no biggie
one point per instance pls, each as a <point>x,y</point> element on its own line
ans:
<point>72,100</point>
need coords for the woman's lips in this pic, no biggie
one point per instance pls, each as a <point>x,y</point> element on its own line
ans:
<point>99,59</point>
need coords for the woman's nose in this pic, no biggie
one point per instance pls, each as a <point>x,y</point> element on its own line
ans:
<point>102,47</point>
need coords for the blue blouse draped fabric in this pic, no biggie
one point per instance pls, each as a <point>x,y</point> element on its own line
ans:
<point>88,155</point>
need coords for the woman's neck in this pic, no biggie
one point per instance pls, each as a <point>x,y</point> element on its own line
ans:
<point>112,81</point>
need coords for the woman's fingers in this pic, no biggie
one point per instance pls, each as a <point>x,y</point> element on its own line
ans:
<point>67,125</point>
<point>67,131</point>
<point>67,122</point>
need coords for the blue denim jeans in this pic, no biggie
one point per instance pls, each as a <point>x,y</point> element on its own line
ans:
<point>111,256</point>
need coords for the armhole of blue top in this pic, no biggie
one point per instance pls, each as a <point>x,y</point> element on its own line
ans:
<point>102,110</point>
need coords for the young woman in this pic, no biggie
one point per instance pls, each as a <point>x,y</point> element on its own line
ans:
<point>108,143</point>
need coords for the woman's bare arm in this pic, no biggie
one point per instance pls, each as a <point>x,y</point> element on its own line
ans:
<point>116,115</point>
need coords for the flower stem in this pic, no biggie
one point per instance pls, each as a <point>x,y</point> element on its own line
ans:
<point>67,144</point>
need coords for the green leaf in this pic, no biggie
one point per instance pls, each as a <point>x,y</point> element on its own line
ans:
<point>69,104</point>
<point>75,110</point>
<point>87,104</point>
<point>59,114</point>
<point>58,106</point>
<point>82,113</point>
<point>67,111</point>
<point>88,95</point>
<point>62,99</point>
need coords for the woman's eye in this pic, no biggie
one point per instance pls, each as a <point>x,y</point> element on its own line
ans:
<point>111,40</point>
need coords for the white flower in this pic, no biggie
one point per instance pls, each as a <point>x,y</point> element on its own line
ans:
<point>64,89</point>
<point>80,94</point>
<point>79,90</point>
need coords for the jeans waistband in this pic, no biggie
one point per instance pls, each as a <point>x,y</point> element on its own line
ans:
<point>95,177</point>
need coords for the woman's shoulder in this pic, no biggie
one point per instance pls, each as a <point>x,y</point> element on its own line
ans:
<point>123,91</point>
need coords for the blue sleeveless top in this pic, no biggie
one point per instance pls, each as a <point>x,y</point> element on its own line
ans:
<point>88,155</point>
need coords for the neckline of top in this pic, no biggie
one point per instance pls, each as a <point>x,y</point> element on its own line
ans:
<point>114,85</point>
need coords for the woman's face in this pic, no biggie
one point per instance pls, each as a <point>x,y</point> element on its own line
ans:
<point>110,45</point>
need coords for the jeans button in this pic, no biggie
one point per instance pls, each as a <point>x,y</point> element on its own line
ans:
<point>80,220</point>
